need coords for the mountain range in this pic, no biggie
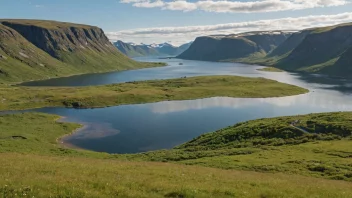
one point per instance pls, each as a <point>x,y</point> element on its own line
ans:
<point>234,46</point>
<point>163,49</point>
<point>325,50</point>
<point>37,49</point>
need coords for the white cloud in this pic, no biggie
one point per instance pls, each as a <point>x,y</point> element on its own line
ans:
<point>180,5</point>
<point>226,6</point>
<point>184,34</point>
<point>147,4</point>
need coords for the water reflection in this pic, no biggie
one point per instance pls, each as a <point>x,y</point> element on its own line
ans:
<point>163,125</point>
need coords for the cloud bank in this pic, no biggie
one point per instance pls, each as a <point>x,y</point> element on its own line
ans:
<point>179,35</point>
<point>225,6</point>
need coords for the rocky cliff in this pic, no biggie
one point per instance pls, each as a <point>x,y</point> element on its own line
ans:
<point>58,48</point>
<point>233,47</point>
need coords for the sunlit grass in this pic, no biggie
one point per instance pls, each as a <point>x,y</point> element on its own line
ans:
<point>145,91</point>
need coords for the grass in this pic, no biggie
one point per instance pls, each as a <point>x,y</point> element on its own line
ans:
<point>43,176</point>
<point>317,145</point>
<point>270,69</point>
<point>38,167</point>
<point>36,50</point>
<point>146,91</point>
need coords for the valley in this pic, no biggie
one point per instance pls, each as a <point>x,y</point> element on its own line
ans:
<point>146,128</point>
<point>302,51</point>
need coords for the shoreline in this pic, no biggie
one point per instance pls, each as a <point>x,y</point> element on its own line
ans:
<point>21,83</point>
<point>60,140</point>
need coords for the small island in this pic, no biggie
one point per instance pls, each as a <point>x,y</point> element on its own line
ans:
<point>14,98</point>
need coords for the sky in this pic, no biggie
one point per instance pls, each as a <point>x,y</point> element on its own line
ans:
<point>181,21</point>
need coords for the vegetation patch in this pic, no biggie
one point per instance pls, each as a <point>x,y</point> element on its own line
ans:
<point>313,145</point>
<point>146,91</point>
<point>270,69</point>
<point>36,165</point>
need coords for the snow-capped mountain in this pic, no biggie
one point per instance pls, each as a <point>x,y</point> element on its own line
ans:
<point>162,49</point>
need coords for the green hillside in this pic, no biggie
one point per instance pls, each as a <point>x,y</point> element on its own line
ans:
<point>248,165</point>
<point>325,50</point>
<point>315,145</point>
<point>233,47</point>
<point>319,51</point>
<point>32,49</point>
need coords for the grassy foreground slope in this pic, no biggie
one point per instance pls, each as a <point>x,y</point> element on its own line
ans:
<point>35,49</point>
<point>313,145</point>
<point>35,165</point>
<point>145,91</point>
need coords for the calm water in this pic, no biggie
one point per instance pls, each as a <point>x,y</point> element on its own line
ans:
<point>173,70</point>
<point>163,125</point>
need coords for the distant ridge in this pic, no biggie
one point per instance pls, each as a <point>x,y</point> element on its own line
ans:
<point>162,49</point>
<point>234,46</point>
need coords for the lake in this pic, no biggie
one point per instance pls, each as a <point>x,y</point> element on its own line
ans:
<point>163,125</point>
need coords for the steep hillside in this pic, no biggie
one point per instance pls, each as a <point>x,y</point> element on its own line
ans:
<point>43,49</point>
<point>343,65</point>
<point>21,60</point>
<point>164,49</point>
<point>33,164</point>
<point>232,47</point>
<point>319,50</point>
<point>290,44</point>
<point>325,50</point>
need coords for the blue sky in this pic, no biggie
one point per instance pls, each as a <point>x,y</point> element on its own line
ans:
<point>181,21</point>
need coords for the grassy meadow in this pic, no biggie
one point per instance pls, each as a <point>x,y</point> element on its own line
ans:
<point>36,166</point>
<point>18,97</point>
<point>261,158</point>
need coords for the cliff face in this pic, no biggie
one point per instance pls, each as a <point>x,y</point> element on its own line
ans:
<point>232,47</point>
<point>20,59</point>
<point>62,38</point>
<point>77,48</point>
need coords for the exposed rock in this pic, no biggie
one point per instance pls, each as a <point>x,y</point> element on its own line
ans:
<point>57,49</point>
<point>23,54</point>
